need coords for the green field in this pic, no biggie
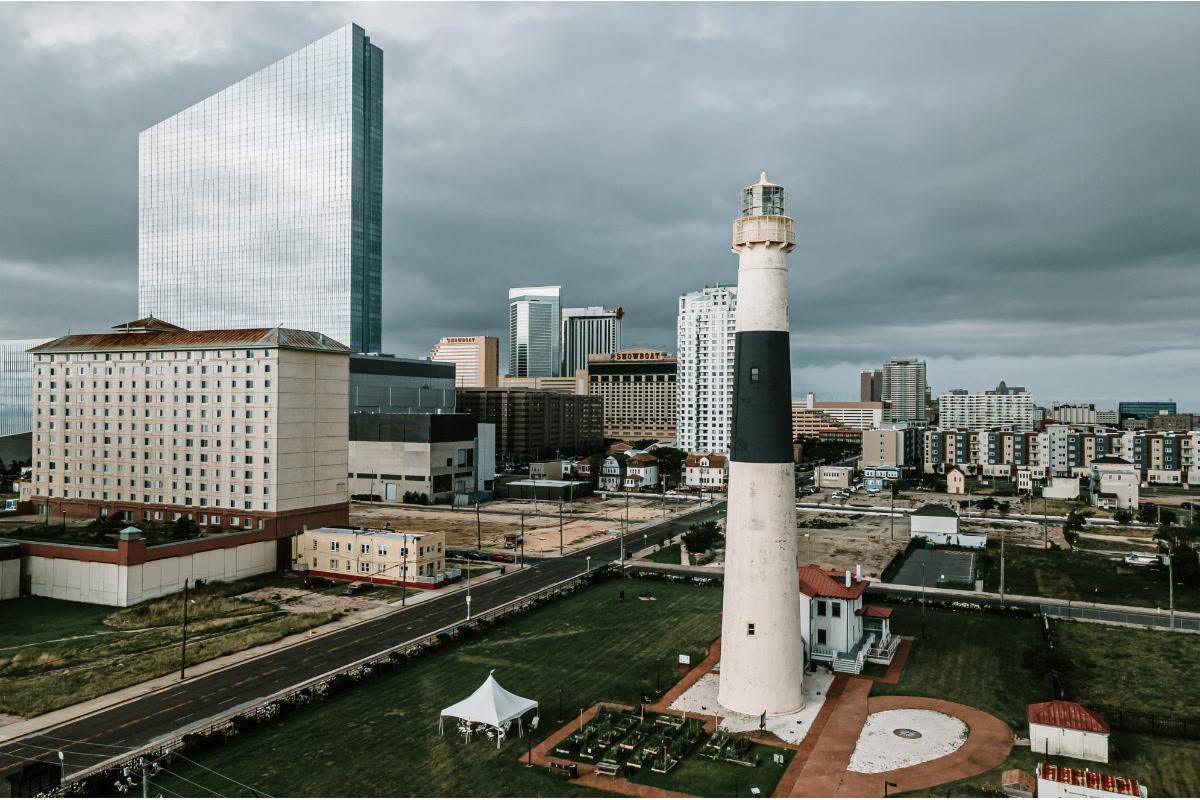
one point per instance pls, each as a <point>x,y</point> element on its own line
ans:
<point>1080,575</point>
<point>984,661</point>
<point>54,653</point>
<point>999,664</point>
<point>1151,671</point>
<point>591,646</point>
<point>667,555</point>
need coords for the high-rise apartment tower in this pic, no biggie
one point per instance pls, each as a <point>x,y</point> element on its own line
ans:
<point>904,387</point>
<point>705,343</point>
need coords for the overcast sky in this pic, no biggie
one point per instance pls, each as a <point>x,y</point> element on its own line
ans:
<point>1010,191</point>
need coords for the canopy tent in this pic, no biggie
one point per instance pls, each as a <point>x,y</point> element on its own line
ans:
<point>492,705</point>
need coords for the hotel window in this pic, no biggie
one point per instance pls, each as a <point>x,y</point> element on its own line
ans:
<point>750,629</point>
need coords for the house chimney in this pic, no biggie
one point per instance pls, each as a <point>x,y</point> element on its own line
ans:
<point>847,579</point>
<point>858,571</point>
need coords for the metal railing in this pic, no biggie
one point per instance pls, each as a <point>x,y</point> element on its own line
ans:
<point>270,704</point>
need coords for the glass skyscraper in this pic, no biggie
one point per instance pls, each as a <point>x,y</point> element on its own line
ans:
<point>16,386</point>
<point>262,204</point>
<point>534,314</point>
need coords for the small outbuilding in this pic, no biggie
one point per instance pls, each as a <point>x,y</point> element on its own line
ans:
<point>939,525</point>
<point>1063,728</point>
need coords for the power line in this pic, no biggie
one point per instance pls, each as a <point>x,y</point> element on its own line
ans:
<point>192,782</point>
<point>173,753</point>
<point>221,775</point>
<point>162,788</point>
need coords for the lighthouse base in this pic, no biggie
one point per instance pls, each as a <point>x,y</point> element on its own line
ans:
<point>701,698</point>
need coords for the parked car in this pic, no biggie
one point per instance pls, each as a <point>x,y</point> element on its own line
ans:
<point>359,587</point>
<point>506,558</point>
<point>312,582</point>
<point>1141,559</point>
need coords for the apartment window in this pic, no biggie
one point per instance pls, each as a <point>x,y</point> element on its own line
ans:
<point>314,544</point>
<point>363,566</point>
<point>335,546</point>
<point>836,608</point>
<point>820,608</point>
<point>750,629</point>
<point>365,549</point>
<point>334,563</point>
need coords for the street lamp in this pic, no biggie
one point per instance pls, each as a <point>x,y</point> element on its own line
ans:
<point>468,589</point>
<point>808,546</point>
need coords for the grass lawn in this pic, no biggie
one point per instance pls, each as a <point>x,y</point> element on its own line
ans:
<point>54,653</point>
<point>668,555</point>
<point>1080,575</point>
<point>590,645</point>
<point>984,661</point>
<point>703,777</point>
<point>1111,666</point>
<point>1168,767</point>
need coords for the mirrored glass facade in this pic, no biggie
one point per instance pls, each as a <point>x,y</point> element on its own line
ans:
<point>16,386</point>
<point>262,204</point>
<point>534,314</point>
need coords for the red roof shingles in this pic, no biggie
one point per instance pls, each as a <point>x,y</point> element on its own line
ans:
<point>693,460</point>
<point>1092,780</point>
<point>816,582</point>
<point>1065,714</point>
<point>875,612</point>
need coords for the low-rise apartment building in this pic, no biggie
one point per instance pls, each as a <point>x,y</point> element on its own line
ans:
<point>1161,457</point>
<point>399,558</point>
<point>1003,407</point>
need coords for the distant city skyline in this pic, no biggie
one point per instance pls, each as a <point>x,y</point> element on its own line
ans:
<point>931,218</point>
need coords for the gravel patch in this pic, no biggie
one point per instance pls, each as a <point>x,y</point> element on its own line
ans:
<point>904,737</point>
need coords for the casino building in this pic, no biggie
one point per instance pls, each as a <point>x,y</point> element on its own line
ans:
<point>638,387</point>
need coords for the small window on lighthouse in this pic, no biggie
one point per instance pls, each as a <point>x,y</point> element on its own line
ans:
<point>750,629</point>
<point>754,374</point>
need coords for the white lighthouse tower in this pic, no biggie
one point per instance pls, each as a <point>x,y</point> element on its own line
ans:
<point>762,656</point>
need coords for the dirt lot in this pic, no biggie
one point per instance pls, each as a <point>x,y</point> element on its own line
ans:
<point>586,523</point>
<point>865,540</point>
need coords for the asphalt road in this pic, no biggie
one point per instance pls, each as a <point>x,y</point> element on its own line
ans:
<point>142,721</point>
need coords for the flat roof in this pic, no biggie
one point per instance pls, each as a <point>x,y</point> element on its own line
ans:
<point>374,532</point>
<point>546,482</point>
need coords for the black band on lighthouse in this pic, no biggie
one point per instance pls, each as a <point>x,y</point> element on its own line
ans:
<point>762,398</point>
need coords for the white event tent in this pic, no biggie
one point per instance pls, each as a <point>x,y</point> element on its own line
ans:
<point>492,705</point>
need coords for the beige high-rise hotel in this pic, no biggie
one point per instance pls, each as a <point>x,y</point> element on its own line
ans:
<point>476,359</point>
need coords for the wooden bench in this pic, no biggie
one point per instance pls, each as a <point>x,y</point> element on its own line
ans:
<point>568,768</point>
<point>608,768</point>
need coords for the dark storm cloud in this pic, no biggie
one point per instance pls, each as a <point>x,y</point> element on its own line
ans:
<point>972,183</point>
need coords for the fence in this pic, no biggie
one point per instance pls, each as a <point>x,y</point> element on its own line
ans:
<point>231,722</point>
<point>1151,619</point>
<point>1134,721</point>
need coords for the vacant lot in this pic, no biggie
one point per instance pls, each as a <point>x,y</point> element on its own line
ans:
<point>842,541</point>
<point>590,646</point>
<point>54,653</point>
<point>583,522</point>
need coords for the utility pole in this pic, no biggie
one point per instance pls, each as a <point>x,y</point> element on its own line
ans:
<point>183,643</point>
<point>1171,586</point>
<point>892,514</point>
<point>404,570</point>
<point>469,590</point>
<point>1045,521</point>
<point>522,540</point>
<point>478,529</point>
<point>922,599</point>
<point>560,525</point>
<point>1003,536</point>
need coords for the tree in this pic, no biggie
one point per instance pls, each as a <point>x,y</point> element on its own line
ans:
<point>1166,517</point>
<point>1147,514</point>
<point>986,504</point>
<point>701,536</point>
<point>1004,507</point>
<point>184,528</point>
<point>1123,516</point>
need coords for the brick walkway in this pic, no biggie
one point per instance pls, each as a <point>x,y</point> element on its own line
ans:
<point>825,771</point>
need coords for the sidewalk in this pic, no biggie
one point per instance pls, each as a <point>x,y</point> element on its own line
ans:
<point>25,727</point>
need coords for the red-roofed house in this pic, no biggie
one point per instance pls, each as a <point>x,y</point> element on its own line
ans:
<point>837,628</point>
<point>1063,728</point>
<point>1056,781</point>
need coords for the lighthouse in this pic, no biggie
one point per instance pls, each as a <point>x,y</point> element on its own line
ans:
<point>762,656</point>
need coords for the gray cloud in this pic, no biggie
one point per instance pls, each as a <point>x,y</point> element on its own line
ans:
<point>981,184</point>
